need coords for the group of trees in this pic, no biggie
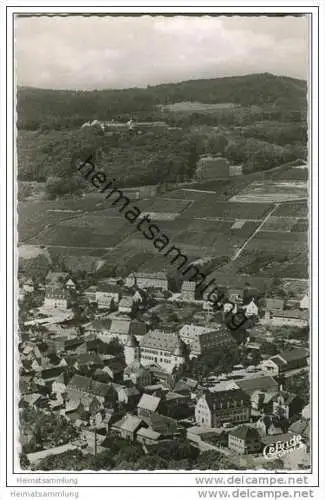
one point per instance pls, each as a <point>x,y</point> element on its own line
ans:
<point>68,109</point>
<point>262,129</point>
<point>47,429</point>
<point>256,154</point>
<point>216,361</point>
<point>124,455</point>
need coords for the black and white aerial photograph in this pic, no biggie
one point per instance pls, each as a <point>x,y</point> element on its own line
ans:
<point>163,242</point>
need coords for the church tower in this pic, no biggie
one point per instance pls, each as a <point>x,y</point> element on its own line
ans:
<point>131,350</point>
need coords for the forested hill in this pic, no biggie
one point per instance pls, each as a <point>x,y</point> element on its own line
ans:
<point>39,108</point>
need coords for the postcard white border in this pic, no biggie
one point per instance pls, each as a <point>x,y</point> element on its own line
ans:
<point>155,479</point>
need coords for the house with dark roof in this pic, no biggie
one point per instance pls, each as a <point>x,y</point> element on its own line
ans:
<point>62,343</point>
<point>114,367</point>
<point>167,427</point>
<point>148,436</point>
<point>129,396</point>
<point>259,389</point>
<point>59,385</point>
<point>86,389</point>
<point>271,425</point>
<point>286,404</point>
<point>258,383</point>
<point>177,405</point>
<point>285,361</point>
<point>137,374</point>
<point>46,377</point>
<point>100,327</point>
<point>89,360</point>
<point>202,339</point>
<point>244,439</point>
<point>216,408</point>
<point>286,317</point>
<point>128,426</point>
<point>106,295</point>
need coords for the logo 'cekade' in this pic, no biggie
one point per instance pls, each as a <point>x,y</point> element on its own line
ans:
<point>281,448</point>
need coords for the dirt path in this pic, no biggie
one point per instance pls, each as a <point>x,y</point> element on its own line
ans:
<point>238,253</point>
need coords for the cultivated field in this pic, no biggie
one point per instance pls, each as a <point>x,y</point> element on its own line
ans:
<point>295,209</point>
<point>226,210</point>
<point>272,192</point>
<point>264,239</point>
<point>279,243</point>
<point>195,107</point>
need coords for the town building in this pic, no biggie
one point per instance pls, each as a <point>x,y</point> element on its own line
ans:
<point>212,167</point>
<point>235,295</point>
<point>137,374</point>
<point>131,350</point>
<point>126,305</point>
<point>259,389</point>
<point>128,426</point>
<point>235,170</point>
<point>251,309</point>
<point>106,295</point>
<point>202,340</point>
<point>216,408</point>
<point>285,362</point>
<point>286,318</point>
<point>304,302</point>
<point>244,439</point>
<point>70,285</point>
<point>274,305</point>
<point>147,280</point>
<point>55,298</point>
<point>148,405</point>
<point>84,389</point>
<point>188,290</point>
<point>28,286</point>
<point>56,279</point>
<point>90,294</point>
<point>122,327</point>
<point>286,404</point>
<point>127,395</point>
<point>118,326</point>
<point>165,349</point>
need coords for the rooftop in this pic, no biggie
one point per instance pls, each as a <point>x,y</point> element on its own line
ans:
<point>245,432</point>
<point>141,275</point>
<point>293,355</point>
<point>148,402</point>
<point>158,339</point>
<point>195,331</point>
<point>85,384</point>
<point>303,315</point>
<point>252,384</point>
<point>217,400</point>
<point>128,423</point>
<point>274,304</point>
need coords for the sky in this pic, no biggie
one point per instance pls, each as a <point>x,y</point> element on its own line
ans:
<point>85,53</point>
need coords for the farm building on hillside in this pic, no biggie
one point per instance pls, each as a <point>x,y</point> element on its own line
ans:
<point>235,170</point>
<point>212,167</point>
